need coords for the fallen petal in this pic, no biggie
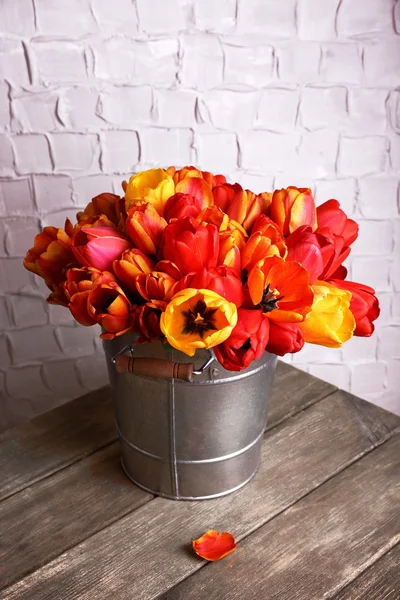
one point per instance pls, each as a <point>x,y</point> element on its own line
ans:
<point>214,545</point>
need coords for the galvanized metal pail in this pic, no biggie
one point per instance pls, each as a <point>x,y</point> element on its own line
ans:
<point>189,440</point>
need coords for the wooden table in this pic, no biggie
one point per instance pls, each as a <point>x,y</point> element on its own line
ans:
<point>320,519</point>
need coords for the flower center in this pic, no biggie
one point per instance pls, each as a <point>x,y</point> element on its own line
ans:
<point>199,319</point>
<point>269,299</point>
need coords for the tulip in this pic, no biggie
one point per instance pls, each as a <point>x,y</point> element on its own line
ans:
<point>330,322</point>
<point>109,307</point>
<point>214,215</point>
<point>244,208</point>
<point>262,243</point>
<point>155,286</point>
<point>148,321</point>
<point>333,218</point>
<point>364,305</point>
<point>214,545</point>
<point>224,195</point>
<point>247,341</point>
<point>198,189</point>
<point>103,204</point>
<point>197,319</point>
<point>99,246</point>
<point>181,205</point>
<point>292,207</point>
<point>284,338</point>
<point>132,263</point>
<point>145,227</point>
<point>223,280</point>
<point>180,174</point>
<point>190,246</point>
<point>154,186</point>
<point>77,287</point>
<point>282,289</point>
<point>305,248</point>
<point>166,266</point>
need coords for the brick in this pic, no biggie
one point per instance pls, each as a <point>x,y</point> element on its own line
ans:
<point>367,112</point>
<point>28,310</point>
<point>299,62</point>
<point>118,16</point>
<point>60,315</point>
<point>393,374</point>
<point>35,112</point>
<point>394,109</point>
<point>52,191</point>
<point>389,400</point>
<point>156,62</point>
<point>367,378</point>
<point>19,232</point>
<point>176,108</point>
<point>277,109</point>
<point>235,111</point>
<point>343,190</point>
<point>5,359</point>
<point>5,314</point>
<point>40,343</point>
<point>72,18</point>
<point>382,63</point>
<point>6,156</point>
<point>115,59</point>
<point>395,313</point>
<point>359,18</point>
<point>362,156</point>
<point>12,21</point>
<point>120,151</point>
<point>394,142</point>
<point>317,153</point>
<point>32,153</point>
<point>396,17</point>
<point>92,371</point>
<point>14,277</point>
<point>72,151</point>
<point>314,354</point>
<point>77,109</point>
<point>375,238</point>
<point>373,271</point>
<point>202,62</point>
<point>153,17</point>
<point>316,19</point>
<point>20,383</point>
<point>16,196</point>
<point>77,341</point>
<point>378,197</point>
<point>215,16</point>
<point>87,187</point>
<point>5,116</point>
<point>360,349</point>
<point>395,273</point>
<point>3,238</point>
<point>59,62</point>
<point>61,378</point>
<point>338,375</point>
<point>341,63</point>
<point>251,65</point>
<point>385,317</point>
<point>389,342</point>
<point>273,18</point>
<point>125,105</point>
<point>56,218</point>
<point>256,182</point>
<point>13,66</point>
<point>323,107</point>
<point>267,152</point>
<point>217,151</point>
<point>166,147</point>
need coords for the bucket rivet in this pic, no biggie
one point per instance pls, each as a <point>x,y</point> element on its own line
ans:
<point>215,372</point>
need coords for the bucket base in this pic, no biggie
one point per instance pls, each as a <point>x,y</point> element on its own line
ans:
<point>169,497</point>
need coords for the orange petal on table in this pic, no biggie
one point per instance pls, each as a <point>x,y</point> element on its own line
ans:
<point>214,545</point>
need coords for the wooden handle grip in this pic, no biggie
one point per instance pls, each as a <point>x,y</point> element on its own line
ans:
<point>154,367</point>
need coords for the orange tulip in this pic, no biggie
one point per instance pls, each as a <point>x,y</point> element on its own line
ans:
<point>109,307</point>
<point>77,287</point>
<point>147,322</point>
<point>198,189</point>
<point>103,204</point>
<point>145,227</point>
<point>264,241</point>
<point>214,545</point>
<point>180,174</point>
<point>282,289</point>
<point>244,208</point>
<point>292,207</point>
<point>213,215</point>
<point>132,263</point>
<point>155,286</point>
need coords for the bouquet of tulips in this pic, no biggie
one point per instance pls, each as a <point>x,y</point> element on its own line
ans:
<point>201,263</point>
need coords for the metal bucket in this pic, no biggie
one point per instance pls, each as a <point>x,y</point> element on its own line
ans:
<point>189,440</point>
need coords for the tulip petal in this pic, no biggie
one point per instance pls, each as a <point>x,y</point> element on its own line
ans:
<point>214,545</point>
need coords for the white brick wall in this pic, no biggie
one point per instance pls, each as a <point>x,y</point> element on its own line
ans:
<point>270,92</point>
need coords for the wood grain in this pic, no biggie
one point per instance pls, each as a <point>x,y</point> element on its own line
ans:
<point>43,520</point>
<point>380,582</point>
<point>317,546</point>
<point>75,430</point>
<point>148,551</point>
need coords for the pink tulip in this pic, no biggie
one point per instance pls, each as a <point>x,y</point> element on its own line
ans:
<point>99,246</point>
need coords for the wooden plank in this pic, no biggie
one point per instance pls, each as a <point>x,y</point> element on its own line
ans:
<point>70,432</point>
<point>54,440</point>
<point>42,521</point>
<point>317,546</point>
<point>380,581</point>
<point>146,553</point>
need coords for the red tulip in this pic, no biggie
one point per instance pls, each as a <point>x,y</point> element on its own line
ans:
<point>109,307</point>
<point>222,279</point>
<point>99,246</point>
<point>181,205</point>
<point>190,246</point>
<point>247,341</point>
<point>284,338</point>
<point>224,195</point>
<point>198,188</point>
<point>363,304</point>
<point>304,247</point>
<point>292,207</point>
<point>145,227</point>
<point>332,217</point>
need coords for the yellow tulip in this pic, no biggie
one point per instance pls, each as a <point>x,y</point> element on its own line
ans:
<point>197,319</point>
<point>330,322</point>
<point>154,186</point>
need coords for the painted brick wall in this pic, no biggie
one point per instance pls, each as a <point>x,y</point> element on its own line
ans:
<point>269,92</point>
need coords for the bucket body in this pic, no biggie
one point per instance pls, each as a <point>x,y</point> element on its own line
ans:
<point>194,440</point>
